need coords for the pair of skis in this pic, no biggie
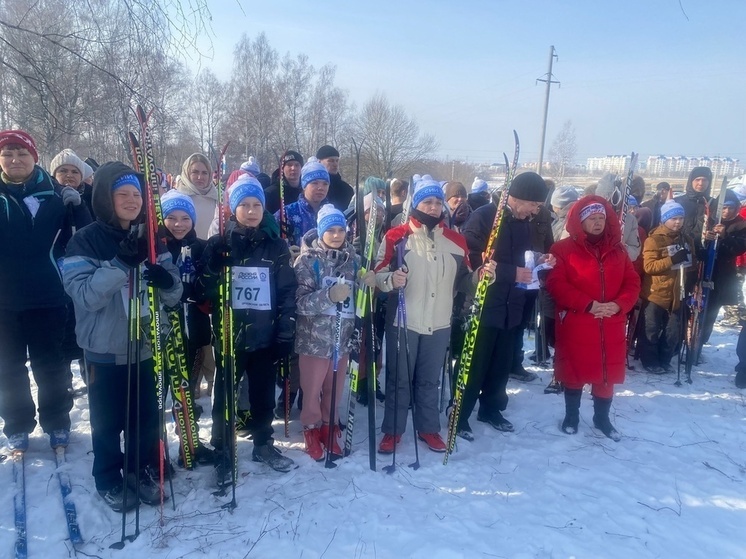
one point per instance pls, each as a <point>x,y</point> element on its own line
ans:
<point>364,332</point>
<point>472,323</point>
<point>19,502</point>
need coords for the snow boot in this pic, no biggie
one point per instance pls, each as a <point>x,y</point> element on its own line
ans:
<point>741,379</point>
<point>269,455</point>
<point>313,444</point>
<point>464,431</point>
<point>386,446</point>
<point>554,387</point>
<point>496,420</point>
<point>572,410</point>
<point>601,407</point>
<point>520,374</point>
<point>149,489</point>
<point>115,498</point>
<point>324,437</point>
<point>433,441</point>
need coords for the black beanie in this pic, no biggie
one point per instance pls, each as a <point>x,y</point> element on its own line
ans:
<point>326,151</point>
<point>291,155</point>
<point>530,187</point>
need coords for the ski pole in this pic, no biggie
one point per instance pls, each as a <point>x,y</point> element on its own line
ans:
<point>335,360</point>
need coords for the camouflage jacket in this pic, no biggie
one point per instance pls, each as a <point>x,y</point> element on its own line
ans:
<point>316,269</point>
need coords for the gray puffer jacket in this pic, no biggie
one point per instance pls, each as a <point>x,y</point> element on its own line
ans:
<point>316,269</point>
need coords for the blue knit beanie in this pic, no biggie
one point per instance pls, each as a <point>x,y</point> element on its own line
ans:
<point>251,166</point>
<point>245,186</point>
<point>313,171</point>
<point>671,209</point>
<point>478,186</point>
<point>125,180</point>
<point>329,217</point>
<point>425,189</point>
<point>174,200</point>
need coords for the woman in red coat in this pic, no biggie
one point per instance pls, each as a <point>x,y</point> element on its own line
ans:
<point>594,285</point>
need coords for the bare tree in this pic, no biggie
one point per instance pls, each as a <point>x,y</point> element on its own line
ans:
<point>393,142</point>
<point>563,151</point>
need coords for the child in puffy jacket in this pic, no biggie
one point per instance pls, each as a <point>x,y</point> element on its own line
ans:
<point>325,271</point>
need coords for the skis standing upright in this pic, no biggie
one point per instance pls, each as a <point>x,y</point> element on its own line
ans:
<point>365,345</point>
<point>624,208</point>
<point>699,299</point>
<point>472,322</point>
<point>284,363</point>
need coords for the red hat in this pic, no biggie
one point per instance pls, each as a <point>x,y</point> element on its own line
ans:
<point>21,138</point>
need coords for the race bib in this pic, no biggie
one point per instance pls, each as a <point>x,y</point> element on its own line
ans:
<point>348,311</point>
<point>251,288</point>
<point>143,301</point>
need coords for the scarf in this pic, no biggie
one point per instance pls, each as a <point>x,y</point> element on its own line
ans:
<point>186,186</point>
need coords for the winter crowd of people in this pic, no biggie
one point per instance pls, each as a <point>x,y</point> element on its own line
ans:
<point>76,263</point>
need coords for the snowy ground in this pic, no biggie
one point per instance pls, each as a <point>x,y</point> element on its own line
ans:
<point>673,487</point>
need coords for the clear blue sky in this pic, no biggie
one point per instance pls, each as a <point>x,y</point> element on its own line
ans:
<point>635,75</point>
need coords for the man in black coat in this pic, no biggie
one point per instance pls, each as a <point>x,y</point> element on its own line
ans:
<point>340,193</point>
<point>503,309</point>
<point>289,174</point>
<point>694,200</point>
<point>655,203</point>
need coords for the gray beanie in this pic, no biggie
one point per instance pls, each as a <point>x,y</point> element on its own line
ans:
<point>563,196</point>
<point>605,186</point>
<point>67,157</point>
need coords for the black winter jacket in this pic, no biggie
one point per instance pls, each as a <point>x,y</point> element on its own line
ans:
<point>197,321</point>
<point>694,204</point>
<point>32,244</point>
<point>340,193</point>
<point>731,245</point>
<point>259,247</point>
<point>272,195</point>
<point>503,306</point>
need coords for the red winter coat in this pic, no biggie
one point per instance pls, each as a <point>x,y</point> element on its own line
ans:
<point>591,350</point>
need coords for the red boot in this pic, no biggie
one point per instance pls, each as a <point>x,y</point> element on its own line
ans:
<point>387,443</point>
<point>433,441</point>
<point>336,450</point>
<point>313,444</point>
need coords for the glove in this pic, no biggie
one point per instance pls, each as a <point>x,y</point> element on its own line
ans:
<point>220,257</point>
<point>157,276</point>
<point>133,250</point>
<point>339,292</point>
<point>368,279</point>
<point>680,256</point>
<point>187,293</point>
<point>70,196</point>
<point>282,349</point>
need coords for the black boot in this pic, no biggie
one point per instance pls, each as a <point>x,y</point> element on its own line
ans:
<point>740,377</point>
<point>601,407</point>
<point>572,410</point>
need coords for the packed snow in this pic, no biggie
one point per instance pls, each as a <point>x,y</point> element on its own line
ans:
<point>673,487</point>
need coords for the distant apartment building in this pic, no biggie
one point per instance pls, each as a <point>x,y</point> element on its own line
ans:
<point>681,165</point>
<point>665,165</point>
<point>607,164</point>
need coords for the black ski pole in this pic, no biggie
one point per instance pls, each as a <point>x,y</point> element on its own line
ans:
<point>335,366</point>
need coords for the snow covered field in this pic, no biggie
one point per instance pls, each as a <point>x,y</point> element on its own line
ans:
<point>673,487</point>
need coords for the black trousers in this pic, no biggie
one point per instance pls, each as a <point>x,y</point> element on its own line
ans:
<point>491,364</point>
<point>107,398</point>
<point>526,320</point>
<point>741,349</point>
<point>260,373</point>
<point>38,334</point>
<point>661,335</point>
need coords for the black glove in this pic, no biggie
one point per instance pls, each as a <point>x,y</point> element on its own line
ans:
<point>220,257</point>
<point>187,293</point>
<point>157,276</point>
<point>133,250</point>
<point>680,256</point>
<point>283,349</point>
